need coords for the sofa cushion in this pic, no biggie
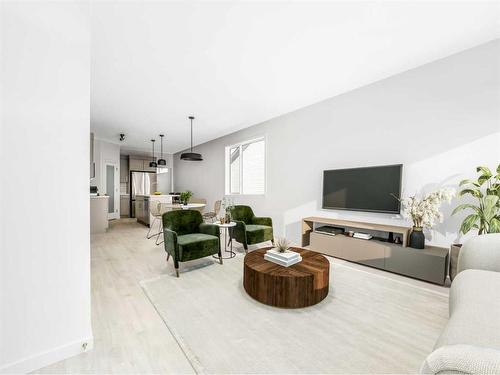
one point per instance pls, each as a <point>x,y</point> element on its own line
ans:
<point>474,310</point>
<point>462,359</point>
<point>197,245</point>
<point>258,233</point>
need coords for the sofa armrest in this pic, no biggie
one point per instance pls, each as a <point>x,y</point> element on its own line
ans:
<point>262,221</point>
<point>210,229</point>
<point>480,253</point>
<point>170,242</point>
<point>462,359</point>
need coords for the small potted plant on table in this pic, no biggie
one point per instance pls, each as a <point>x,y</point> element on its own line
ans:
<point>185,196</point>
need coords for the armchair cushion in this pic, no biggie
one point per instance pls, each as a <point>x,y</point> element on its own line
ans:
<point>197,245</point>
<point>182,221</point>
<point>258,233</point>
<point>262,221</point>
<point>242,213</point>
<point>210,229</point>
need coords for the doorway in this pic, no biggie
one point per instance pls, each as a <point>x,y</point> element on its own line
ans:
<point>112,188</point>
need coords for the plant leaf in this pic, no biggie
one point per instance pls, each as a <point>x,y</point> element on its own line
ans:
<point>463,207</point>
<point>498,169</point>
<point>468,223</point>
<point>474,192</point>
<point>495,225</point>
<point>465,182</point>
<point>483,178</point>
<point>485,171</point>
<point>490,208</point>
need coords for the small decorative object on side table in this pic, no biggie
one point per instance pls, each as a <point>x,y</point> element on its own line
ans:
<point>227,227</point>
<point>424,212</point>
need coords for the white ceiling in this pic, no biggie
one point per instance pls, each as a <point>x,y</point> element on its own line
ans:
<point>235,64</point>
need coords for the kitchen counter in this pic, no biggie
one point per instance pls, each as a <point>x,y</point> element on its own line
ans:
<point>98,213</point>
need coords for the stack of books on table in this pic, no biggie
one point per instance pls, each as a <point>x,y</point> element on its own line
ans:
<point>285,259</point>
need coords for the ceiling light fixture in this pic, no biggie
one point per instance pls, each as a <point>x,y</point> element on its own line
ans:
<point>191,156</point>
<point>153,164</point>
<point>161,162</point>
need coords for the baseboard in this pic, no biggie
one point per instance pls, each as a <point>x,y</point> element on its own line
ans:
<point>48,357</point>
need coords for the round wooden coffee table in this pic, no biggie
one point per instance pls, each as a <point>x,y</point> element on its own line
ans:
<point>303,284</point>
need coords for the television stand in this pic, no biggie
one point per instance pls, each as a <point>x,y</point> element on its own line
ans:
<point>382,251</point>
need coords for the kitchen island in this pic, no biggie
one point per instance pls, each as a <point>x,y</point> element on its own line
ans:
<point>143,204</point>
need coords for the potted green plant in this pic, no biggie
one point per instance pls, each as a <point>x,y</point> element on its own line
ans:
<point>485,216</point>
<point>185,196</point>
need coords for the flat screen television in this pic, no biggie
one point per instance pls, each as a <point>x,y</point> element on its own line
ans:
<point>369,189</point>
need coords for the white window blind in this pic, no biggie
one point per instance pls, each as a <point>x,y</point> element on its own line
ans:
<point>245,168</point>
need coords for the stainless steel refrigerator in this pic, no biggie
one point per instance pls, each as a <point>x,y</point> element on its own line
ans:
<point>143,184</point>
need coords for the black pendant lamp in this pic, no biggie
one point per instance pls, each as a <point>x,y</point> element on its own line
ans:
<point>153,164</point>
<point>161,162</point>
<point>191,156</point>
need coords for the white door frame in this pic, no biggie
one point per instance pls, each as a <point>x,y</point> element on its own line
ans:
<point>116,214</point>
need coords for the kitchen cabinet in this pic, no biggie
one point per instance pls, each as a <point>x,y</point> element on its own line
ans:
<point>124,206</point>
<point>124,175</point>
<point>140,165</point>
<point>147,167</point>
<point>136,164</point>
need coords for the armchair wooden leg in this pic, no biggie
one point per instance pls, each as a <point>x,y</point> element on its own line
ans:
<point>245,246</point>
<point>168,256</point>
<point>176,265</point>
<point>220,259</point>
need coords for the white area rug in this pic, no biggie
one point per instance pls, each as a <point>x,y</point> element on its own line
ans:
<point>367,324</point>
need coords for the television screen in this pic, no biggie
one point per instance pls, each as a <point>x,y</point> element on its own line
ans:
<point>363,189</point>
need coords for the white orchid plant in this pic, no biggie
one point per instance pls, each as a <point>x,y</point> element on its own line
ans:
<point>425,212</point>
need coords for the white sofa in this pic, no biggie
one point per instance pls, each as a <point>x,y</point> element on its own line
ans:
<point>470,342</point>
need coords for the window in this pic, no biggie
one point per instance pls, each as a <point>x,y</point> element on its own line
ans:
<point>245,167</point>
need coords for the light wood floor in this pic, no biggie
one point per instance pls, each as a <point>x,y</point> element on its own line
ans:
<point>129,335</point>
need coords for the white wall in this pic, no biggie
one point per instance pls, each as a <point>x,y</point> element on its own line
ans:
<point>44,205</point>
<point>440,120</point>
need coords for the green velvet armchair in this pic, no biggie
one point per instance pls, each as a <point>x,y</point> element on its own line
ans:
<point>249,228</point>
<point>187,237</point>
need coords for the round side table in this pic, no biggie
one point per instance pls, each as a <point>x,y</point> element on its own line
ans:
<point>228,228</point>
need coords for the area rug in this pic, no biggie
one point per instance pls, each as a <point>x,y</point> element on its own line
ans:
<point>367,324</point>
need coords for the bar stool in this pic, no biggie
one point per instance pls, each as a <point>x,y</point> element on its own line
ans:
<point>156,212</point>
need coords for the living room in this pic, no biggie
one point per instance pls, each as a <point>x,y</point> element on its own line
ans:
<point>275,187</point>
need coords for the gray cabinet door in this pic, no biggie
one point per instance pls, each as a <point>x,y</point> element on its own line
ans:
<point>124,175</point>
<point>426,264</point>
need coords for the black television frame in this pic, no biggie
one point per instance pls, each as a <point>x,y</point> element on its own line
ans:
<point>359,209</point>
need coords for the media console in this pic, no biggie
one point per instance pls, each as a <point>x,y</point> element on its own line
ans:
<point>382,251</point>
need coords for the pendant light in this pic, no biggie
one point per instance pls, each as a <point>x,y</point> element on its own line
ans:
<point>153,164</point>
<point>191,156</point>
<point>161,162</point>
